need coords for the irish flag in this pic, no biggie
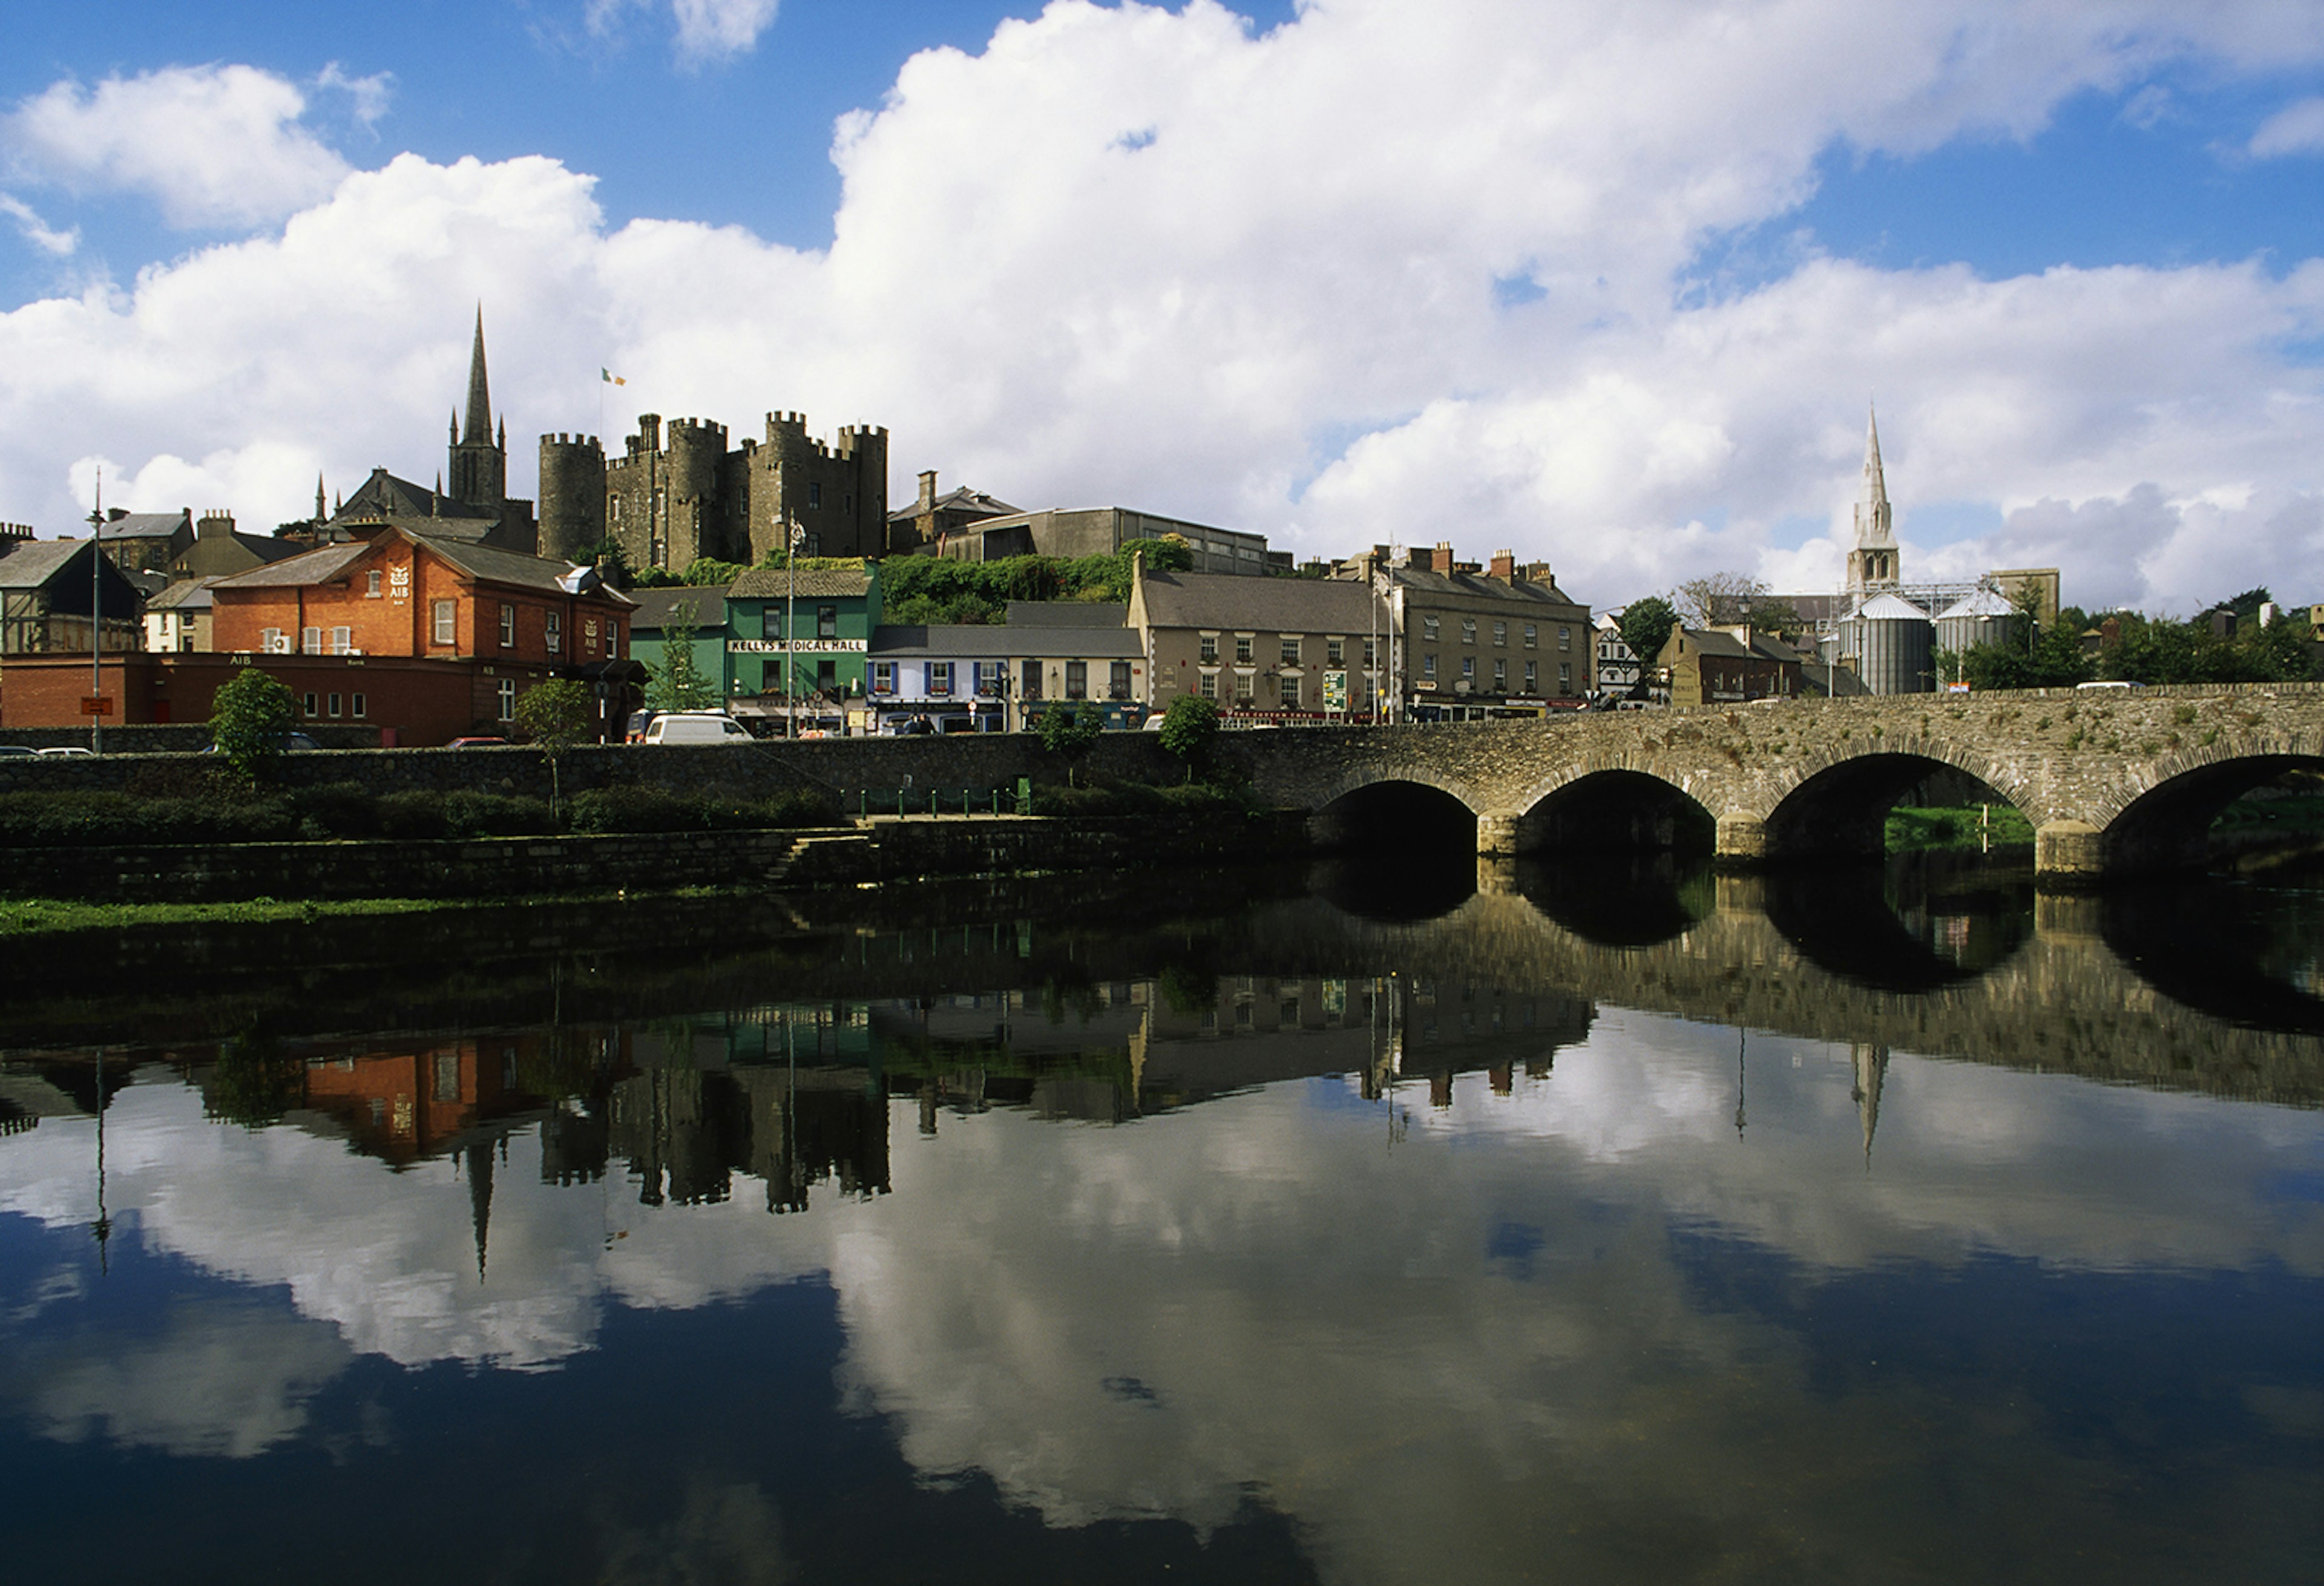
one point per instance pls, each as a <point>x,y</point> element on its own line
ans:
<point>610,378</point>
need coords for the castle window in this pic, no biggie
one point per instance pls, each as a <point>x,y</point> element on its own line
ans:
<point>815,495</point>
<point>613,508</point>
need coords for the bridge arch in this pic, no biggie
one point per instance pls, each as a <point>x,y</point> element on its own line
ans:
<point>1614,805</point>
<point>1409,808</point>
<point>1834,804</point>
<point>2167,825</point>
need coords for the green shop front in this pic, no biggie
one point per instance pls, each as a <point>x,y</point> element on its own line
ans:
<point>800,640</point>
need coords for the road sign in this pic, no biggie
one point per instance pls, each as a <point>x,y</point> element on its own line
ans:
<point>96,705</point>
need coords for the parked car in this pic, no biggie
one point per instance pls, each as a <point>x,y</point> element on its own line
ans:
<point>289,742</point>
<point>16,749</point>
<point>695,726</point>
<point>640,719</point>
<point>63,750</point>
<point>479,743</point>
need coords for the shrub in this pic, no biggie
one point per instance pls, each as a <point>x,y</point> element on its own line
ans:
<point>337,809</point>
<point>249,718</point>
<point>415,813</point>
<point>495,814</point>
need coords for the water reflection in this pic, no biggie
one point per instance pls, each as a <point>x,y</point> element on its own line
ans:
<point>1181,1234</point>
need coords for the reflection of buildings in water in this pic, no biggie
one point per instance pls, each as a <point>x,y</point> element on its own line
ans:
<point>402,1104</point>
<point>691,1120</point>
<point>1870,1065</point>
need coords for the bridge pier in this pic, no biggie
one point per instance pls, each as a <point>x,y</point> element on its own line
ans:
<point>2067,853</point>
<point>1497,835</point>
<point>1742,842</point>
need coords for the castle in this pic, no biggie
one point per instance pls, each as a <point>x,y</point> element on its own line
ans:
<point>669,499</point>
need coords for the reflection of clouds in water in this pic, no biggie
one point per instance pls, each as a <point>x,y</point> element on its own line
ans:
<point>224,1379</point>
<point>731,1534</point>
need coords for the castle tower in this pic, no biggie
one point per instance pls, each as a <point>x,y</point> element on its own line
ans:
<point>1872,563</point>
<point>479,469</point>
<point>572,496</point>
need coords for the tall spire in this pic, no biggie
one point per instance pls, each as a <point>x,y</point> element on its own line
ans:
<point>1873,563</point>
<point>478,431</point>
<point>1875,488</point>
<point>480,1199</point>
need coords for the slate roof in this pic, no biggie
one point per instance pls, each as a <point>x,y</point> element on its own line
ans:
<point>319,565</point>
<point>31,565</point>
<point>1477,587</point>
<point>960,500</point>
<point>1238,600</point>
<point>975,641</point>
<point>148,525</point>
<point>1067,613</point>
<point>813,582</point>
<point>484,562</point>
<point>384,495</point>
<point>1718,641</point>
<point>655,606</point>
<point>186,594</point>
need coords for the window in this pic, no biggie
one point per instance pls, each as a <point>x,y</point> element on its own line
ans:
<point>939,675</point>
<point>1207,651</point>
<point>613,642</point>
<point>1335,652</point>
<point>1207,686</point>
<point>1242,648</point>
<point>614,509</point>
<point>1428,667</point>
<point>1500,632</point>
<point>1533,675</point>
<point>1428,628</point>
<point>1565,638</point>
<point>447,1077</point>
<point>826,675</point>
<point>1501,676</point>
<point>508,626</point>
<point>1468,630</point>
<point>770,622</point>
<point>1291,694</point>
<point>343,640</point>
<point>508,699</point>
<point>1116,682</point>
<point>306,705</point>
<point>1468,668</point>
<point>334,705</point>
<point>310,640</point>
<point>1291,649</point>
<point>827,622</point>
<point>371,585</point>
<point>357,707</point>
<point>990,675</point>
<point>1246,688</point>
<point>443,620</point>
<point>1030,686</point>
<point>1076,680</point>
<point>1531,634</point>
<point>555,633</point>
<point>1566,676</point>
<point>1371,653</point>
<point>883,677</point>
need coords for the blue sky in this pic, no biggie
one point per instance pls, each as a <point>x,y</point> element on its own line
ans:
<point>1604,283</point>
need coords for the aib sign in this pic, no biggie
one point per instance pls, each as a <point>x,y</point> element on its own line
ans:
<point>399,583</point>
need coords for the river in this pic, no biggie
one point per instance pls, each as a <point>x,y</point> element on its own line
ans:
<point>1341,1223</point>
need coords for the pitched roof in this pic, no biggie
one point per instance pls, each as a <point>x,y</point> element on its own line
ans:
<point>1067,613</point>
<point>1719,642</point>
<point>318,566</point>
<point>483,562</point>
<point>979,641</point>
<point>148,525</point>
<point>1890,608</point>
<point>1981,602</point>
<point>1477,587</point>
<point>29,567</point>
<point>813,582</point>
<point>655,606</point>
<point>960,500</point>
<point>385,496</point>
<point>1237,600</point>
<point>186,594</point>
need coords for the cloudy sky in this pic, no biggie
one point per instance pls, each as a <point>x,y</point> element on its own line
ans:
<point>1609,283</point>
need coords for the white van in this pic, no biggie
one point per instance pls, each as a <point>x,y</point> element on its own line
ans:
<point>695,726</point>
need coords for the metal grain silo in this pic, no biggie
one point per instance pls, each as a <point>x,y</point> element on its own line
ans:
<point>1985,617</point>
<point>1893,641</point>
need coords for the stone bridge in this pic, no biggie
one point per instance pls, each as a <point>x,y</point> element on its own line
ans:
<point>2113,780</point>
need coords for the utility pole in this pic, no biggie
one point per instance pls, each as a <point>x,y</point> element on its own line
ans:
<point>97,622</point>
<point>791,631</point>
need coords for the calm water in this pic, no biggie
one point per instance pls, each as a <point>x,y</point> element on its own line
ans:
<point>1578,1225</point>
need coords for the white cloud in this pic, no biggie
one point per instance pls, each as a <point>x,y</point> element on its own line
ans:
<point>707,28</point>
<point>369,94</point>
<point>1127,254</point>
<point>214,145</point>
<point>2296,129</point>
<point>37,232</point>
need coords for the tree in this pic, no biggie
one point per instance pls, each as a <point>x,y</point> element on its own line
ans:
<point>678,684</point>
<point>1716,599</point>
<point>249,718</point>
<point>553,716</point>
<point>1645,627</point>
<point>1068,730</point>
<point>1189,727</point>
<point>613,564</point>
<point>709,572</point>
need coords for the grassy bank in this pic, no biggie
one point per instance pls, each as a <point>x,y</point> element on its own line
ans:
<point>50,917</point>
<point>1912,830</point>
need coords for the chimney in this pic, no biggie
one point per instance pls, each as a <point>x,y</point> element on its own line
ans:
<point>1505,566</point>
<point>214,524</point>
<point>115,514</point>
<point>1537,573</point>
<point>1443,561</point>
<point>928,491</point>
<point>12,535</point>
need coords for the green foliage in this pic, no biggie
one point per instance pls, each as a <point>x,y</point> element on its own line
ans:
<point>556,715</point>
<point>1142,799</point>
<point>1188,729</point>
<point>1909,829</point>
<point>1069,729</point>
<point>613,564</point>
<point>2054,659</point>
<point>649,809</point>
<point>708,572</point>
<point>2156,650</point>
<point>255,1082</point>
<point>106,820</point>
<point>678,684</point>
<point>248,719</point>
<point>1645,627</point>
<point>939,589</point>
<point>654,579</point>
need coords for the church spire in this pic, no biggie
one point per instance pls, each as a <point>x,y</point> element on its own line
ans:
<point>1872,562</point>
<point>478,431</point>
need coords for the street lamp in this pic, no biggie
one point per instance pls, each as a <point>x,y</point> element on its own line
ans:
<point>790,631</point>
<point>97,622</point>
